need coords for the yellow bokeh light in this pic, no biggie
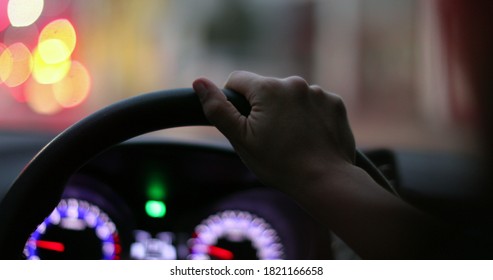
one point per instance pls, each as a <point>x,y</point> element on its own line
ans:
<point>24,12</point>
<point>41,98</point>
<point>16,64</point>
<point>74,88</point>
<point>45,73</point>
<point>60,29</point>
<point>6,62</point>
<point>53,51</point>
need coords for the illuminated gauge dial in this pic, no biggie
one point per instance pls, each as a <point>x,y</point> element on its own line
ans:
<point>76,229</point>
<point>235,235</point>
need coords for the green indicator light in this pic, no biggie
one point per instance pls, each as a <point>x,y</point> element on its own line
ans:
<point>155,190</point>
<point>155,209</point>
<point>156,187</point>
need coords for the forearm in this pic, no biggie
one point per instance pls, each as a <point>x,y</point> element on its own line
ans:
<point>375,223</point>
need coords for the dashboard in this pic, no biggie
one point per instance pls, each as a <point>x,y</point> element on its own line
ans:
<point>159,198</point>
<point>149,199</point>
<point>155,201</point>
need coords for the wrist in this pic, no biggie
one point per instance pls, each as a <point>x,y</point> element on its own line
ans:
<point>322,180</point>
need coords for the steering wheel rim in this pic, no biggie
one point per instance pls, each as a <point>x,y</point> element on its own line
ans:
<point>36,191</point>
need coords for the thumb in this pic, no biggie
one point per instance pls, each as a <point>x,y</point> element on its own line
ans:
<point>218,110</point>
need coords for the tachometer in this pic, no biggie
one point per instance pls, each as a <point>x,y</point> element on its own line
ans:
<point>76,229</point>
<point>235,235</point>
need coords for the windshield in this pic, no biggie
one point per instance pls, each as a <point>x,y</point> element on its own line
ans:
<point>61,60</point>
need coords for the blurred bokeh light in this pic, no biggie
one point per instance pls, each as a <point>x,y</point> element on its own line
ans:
<point>74,88</point>
<point>37,63</point>
<point>57,41</point>
<point>16,61</point>
<point>24,12</point>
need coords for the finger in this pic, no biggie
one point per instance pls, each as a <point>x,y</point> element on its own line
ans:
<point>218,110</point>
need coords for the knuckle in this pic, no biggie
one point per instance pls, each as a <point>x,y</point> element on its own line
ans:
<point>338,103</point>
<point>317,90</point>
<point>269,85</point>
<point>236,74</point>
<point>233,76</point>
<point>297,83</point>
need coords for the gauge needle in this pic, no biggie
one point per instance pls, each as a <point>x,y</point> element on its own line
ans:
<point>220,253</point>
<point>50,245</point>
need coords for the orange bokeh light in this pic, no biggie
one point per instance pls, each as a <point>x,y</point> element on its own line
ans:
<point>16,64</point>
<point>74,88</point>
<point>41,98</point>
<point>5,62</point>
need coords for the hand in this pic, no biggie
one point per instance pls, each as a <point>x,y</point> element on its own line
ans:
<point>297,139</point>
<point>294,133</point>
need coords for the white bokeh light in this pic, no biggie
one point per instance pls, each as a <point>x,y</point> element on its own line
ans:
<point>24,12</point>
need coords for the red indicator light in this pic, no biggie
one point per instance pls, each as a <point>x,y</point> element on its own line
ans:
<point>50,245</point>
<point>220,253</point>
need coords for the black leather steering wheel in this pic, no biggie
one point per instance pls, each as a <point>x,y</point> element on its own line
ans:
<point>39,187</point>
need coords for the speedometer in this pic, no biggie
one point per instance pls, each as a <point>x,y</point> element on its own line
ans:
<point>76,229</point>
<point>235,235</point>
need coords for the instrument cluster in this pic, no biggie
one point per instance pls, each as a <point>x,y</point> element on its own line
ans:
<point>143,200</point>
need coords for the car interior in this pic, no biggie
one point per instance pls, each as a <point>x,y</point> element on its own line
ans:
<point>105,152</point>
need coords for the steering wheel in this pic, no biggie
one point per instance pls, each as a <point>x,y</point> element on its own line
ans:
<point>39,187</point>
